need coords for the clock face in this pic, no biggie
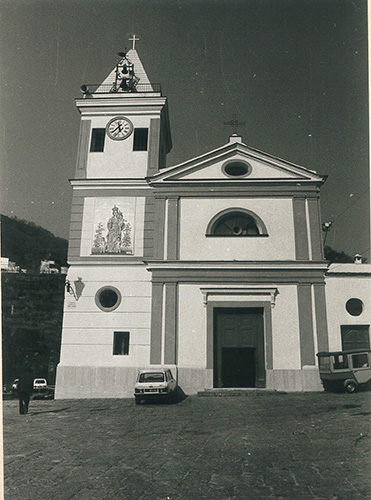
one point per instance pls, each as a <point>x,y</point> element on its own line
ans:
<point>119,128</point>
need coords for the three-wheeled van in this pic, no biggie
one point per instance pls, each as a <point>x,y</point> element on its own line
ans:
<point>345,369</point>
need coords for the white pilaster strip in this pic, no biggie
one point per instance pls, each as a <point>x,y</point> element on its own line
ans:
<point>314,321</point>
<point>163,324</point>
<point>308,229</point>
<point>166,228</point>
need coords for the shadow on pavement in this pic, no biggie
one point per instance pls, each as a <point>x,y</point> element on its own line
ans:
<point>178,397</point>
<point>50,411</point>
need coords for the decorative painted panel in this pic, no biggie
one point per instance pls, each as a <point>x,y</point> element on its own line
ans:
<point>114,226</point>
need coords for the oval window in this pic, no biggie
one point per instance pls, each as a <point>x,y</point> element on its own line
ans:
<point>108,298</point>
<point>237,169</point>
<point>354,307</point>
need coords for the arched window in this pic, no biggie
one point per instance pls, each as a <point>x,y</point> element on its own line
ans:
<point>236,222</point>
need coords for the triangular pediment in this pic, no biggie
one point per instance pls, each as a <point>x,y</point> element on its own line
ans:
<point>216,166</point>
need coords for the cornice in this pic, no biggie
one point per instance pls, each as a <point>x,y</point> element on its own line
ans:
<point>109,183</point>
<point>138,104</point>
<point>209,292</point>
<point>239,265</point>
<point>236,189</point>
<point>225,189</point>
<point>109,261</point>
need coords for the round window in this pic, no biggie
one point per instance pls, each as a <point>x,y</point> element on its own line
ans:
<point>354,307</point>
<point>237,169</point>
<point>108,298</point>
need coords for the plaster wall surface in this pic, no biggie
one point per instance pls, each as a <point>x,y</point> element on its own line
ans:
<point>87,335</point>
<point>285,329</point>
<point>95,382</point>
<point>191,327</point>
<point>276,213</point>
<point>339,289</point>
<point>118,160</point>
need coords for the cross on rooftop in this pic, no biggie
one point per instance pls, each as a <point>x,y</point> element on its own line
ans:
<point>134,39</point>
<point>234,123</point>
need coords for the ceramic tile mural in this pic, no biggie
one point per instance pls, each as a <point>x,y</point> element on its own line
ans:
<point>114,220</point>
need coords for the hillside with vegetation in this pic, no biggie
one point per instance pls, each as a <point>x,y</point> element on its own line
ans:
<point>27,244</point>
<point>32,303</point>
<point>32,312</point>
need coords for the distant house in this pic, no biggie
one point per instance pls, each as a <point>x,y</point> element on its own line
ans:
<point>4,263</point>
<point>49,267</point>
<point>9,266</point>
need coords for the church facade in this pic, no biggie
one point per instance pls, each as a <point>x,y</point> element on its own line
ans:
<point>213,267</point>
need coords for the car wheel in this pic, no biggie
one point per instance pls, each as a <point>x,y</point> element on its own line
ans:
<point>351,387</point>
<point>138,401</point>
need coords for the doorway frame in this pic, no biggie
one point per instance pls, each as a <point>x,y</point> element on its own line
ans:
<point>267,331</point>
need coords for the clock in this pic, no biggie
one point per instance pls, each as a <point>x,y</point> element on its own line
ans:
<point>119,128</point>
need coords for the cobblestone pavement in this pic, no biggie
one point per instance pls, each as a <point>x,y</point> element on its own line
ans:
<point>260,446</point>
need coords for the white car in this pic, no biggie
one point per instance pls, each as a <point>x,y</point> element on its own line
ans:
<point>155,384</point>
<point>15,386</point>
<point>39,383</point>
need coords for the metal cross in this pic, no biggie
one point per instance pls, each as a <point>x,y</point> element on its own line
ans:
<point>234,123</point>
<point>134,39</point>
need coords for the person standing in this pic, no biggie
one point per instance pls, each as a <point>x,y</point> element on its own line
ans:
<point>25,389</point>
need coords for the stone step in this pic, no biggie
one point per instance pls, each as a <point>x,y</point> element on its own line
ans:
<point>230,392</point>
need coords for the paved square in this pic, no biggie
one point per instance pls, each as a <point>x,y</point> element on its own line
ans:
<point>259,446</point>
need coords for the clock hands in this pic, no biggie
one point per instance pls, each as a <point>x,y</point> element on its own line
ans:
<point>119,128</point>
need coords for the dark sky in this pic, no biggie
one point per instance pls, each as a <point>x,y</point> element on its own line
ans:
<point>294,70</point>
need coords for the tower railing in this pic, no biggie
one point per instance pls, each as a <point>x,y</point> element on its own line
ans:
<point>140,88</point>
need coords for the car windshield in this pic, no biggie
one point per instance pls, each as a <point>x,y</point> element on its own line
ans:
<point>152,377</point>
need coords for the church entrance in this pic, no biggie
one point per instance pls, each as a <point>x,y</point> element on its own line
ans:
<point>239,347</point>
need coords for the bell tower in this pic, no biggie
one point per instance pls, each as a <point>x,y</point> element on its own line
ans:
<point>124,139</point>
<point>125,131</point>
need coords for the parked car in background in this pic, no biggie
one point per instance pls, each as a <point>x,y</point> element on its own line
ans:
<point>347,370</point>
<point>155,384</point>
<point>15,386</point>
<point>39,383</point>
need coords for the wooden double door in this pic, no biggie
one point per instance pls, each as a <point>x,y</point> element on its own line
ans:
<point>239,347</point>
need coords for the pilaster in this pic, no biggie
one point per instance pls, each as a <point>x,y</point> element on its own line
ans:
<point>306,325</point>
<point>315,228</point>
<point>171,324</point>
<point>300,228</point>
<point>156,323</point>
<point>83,149</point>
<point>154,146</point>
<point>321,317</point>
<point>173,228</point>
